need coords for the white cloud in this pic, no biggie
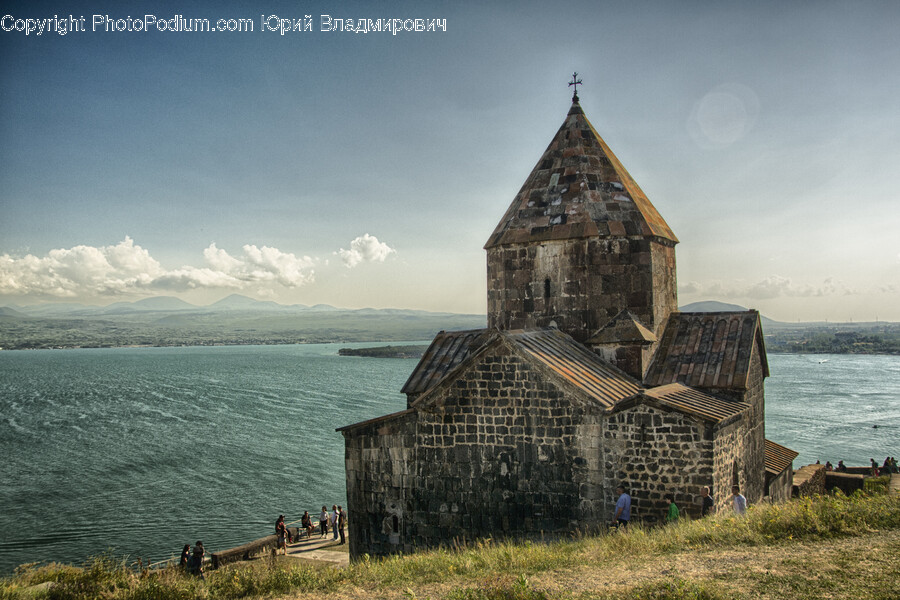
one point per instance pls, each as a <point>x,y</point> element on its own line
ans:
<point>67,273</point>
<point>263,265</point>
<point>365,248</point>
<point>126,268</point>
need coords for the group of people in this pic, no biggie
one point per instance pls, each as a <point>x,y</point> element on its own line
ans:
<point>889,466</point>
<point>192,561</point>
<point>335,521</point>
<point>622,513</point>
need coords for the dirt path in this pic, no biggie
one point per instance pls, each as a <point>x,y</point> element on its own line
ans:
<point>321,550</point>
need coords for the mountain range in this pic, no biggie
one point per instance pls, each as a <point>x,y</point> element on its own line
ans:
<point>237,319</point>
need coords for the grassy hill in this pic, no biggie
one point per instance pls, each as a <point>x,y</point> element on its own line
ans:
<point>827,547</point>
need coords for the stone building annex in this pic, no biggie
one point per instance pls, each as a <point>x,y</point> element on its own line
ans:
<point>587,377</point>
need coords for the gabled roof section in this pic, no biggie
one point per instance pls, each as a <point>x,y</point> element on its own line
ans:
<point>708,350</point>
<point>576,364</point>
<point>624,327</point>
<point>447,350</point>
<point>579,189</point>
<point>696,403</point>
<point>778,458</point>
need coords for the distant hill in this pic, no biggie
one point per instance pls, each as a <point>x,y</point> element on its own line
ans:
<point>712,306</point>
<point>239,302</point>
<point>158,303</point>
<point>11,313</point>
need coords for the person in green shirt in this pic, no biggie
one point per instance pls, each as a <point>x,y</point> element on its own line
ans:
<point>673,513</point>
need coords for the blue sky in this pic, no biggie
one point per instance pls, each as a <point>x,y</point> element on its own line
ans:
<point>369,169</point>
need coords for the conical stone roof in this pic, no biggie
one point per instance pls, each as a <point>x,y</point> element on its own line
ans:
<point>579,189</point>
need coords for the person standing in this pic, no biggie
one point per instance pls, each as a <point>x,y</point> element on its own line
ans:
<point>334,521</point>
<point>185,557</point>
<point>740,503</point>
<point>672,514</point>
<point>196,563</point>
<point>323,521</point>
<point>706,507</point>
<point>342,522</point>
<point>623,508</point>
<point>281,533</point>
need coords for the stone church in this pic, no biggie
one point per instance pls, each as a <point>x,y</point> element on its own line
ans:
<point>587,377</point>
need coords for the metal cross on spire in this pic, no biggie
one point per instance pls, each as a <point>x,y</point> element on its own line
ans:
<point>575,82</point>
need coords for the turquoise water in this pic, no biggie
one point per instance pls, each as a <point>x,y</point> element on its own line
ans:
<point>142,450</point>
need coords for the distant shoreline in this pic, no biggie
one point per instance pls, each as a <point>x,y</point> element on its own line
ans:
<point>386,351</point>
<point>411,351</point>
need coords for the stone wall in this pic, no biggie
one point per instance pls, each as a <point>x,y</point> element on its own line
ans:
<point>780,487</point>
<point>580,284</point>
<point>378,459</point>
<point>752,463</point>
<point>809,480</point>
<point>653,451</point>
<point>730,464</point>
<point>846,482</point>
<point>498,452</point>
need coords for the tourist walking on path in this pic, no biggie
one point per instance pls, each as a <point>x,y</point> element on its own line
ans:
<point>334,521</point>
<point>672,514</point>
<point>185,557</point>
<point>740,503</point>
<point>323,521</point>
<point>281,534</point>
<point>706,506</point>
<point>623,508</point>
<point>342,522</point>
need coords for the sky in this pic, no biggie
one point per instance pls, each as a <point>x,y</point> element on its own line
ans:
<point>369,169</point>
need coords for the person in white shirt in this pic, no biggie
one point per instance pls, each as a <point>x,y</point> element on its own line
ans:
<point>740,503</point>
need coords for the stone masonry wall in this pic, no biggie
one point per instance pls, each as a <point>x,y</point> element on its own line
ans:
<point>653,451</point>
<point>580,284</point>
<point>752,464</point>
<point>730,462</point>
<point>379,458</point>
<point>499,452</point>
<point>809,480</point>
<point>780,486</point>
<point>665,295</point>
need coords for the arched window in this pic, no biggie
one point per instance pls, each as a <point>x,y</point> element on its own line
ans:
<point>396,524</point>
<point>547,288</point>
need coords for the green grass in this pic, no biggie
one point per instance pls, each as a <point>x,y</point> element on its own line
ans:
<point>508,571</point>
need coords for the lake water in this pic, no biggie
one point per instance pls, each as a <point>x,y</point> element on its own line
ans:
<point>143,450</point>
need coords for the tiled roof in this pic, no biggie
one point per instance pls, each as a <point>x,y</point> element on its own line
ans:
<point>551,347</point>
<point>447,350</point>
<point>575,363</point>
<point>579,189</point>
<point>624,327</point>
<point>707,350</point>
<point>778,458</point>
<point>697,403</point>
